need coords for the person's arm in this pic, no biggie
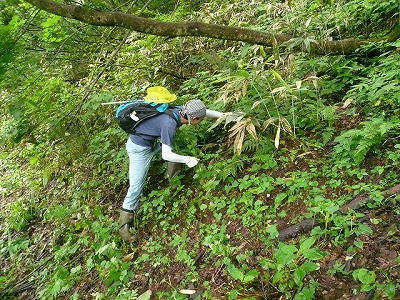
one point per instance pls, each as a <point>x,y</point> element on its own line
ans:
<point>168,155</point>
<point>213,114</point>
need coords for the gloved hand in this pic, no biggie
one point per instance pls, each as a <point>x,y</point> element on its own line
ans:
<point>192,161</point>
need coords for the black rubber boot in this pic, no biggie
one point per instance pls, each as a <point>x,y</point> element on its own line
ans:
<point>125,220</point>
<point>174,169</point>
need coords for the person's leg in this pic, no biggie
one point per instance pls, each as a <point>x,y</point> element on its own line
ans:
<point>139,164</point>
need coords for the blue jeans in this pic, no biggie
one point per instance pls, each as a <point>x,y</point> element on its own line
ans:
<point>139,164</point>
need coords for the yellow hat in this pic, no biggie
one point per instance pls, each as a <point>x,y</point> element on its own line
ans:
<point>159,94</point>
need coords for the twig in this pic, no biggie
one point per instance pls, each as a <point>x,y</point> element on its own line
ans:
<point>115,102</point>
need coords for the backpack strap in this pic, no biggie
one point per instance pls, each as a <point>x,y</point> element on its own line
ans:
<point>174,116</point>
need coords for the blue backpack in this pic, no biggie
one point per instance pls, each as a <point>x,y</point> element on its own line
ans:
<point>129,115</point>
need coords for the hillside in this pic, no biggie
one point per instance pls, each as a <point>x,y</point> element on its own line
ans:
<point>296,194</point>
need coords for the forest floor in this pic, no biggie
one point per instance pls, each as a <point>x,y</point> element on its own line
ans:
<point>379,251</point>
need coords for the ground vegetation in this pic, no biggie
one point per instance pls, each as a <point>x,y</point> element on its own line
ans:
<point>296,195</point>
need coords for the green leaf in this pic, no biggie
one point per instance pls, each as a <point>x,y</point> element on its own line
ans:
<point>233,294</point>
<point>57,287</point>
<point>358,244</point>
<point>245,50</point>
<point>250,276</point>
<point>278,276</point>
<point>279,77</point>
<point>273,231</point>
<point>314,254</point>
<point>332,209</point>
<point>309,266</point>
<point>303,270</point>
<point>365,276</point>
<point>390,290</point>
<point>299,275</point>
<point>307,243</point>
<point>279,198</point>
<point>285,254</point>
<point>362,228</point>
<point>235,273</point>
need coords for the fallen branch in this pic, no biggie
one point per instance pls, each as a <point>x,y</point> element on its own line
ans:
<point>308,224</point>
<point>361,200</point>
<point>296,229</point>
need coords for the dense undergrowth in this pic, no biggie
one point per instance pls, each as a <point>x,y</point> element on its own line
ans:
<point>309,135</point>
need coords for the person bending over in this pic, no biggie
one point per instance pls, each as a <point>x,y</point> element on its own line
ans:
<point>143,145</point>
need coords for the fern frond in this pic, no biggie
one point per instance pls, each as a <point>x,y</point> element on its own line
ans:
<point>356,143</point>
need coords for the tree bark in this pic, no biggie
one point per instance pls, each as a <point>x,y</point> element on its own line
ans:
<point>199,29</point>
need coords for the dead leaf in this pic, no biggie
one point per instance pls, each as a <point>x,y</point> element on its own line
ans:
<point>308,22</point>
<point>128,257</point>
<point>255,104</point>
<point>244,88</point>
<point>315,83</point>
<point>238,144</point>
<point>279,89</point>
<point>291,60</point>
<point>239,126</point>
<point>269,122</point>
<point>252,130</point>
<point>285,124</point>
<point>187,292</point>
<point>347,102</point>
<point>277,137</point>
<point>145,296</point>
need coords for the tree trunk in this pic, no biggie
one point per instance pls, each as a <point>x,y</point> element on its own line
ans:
<point>176,29</point>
